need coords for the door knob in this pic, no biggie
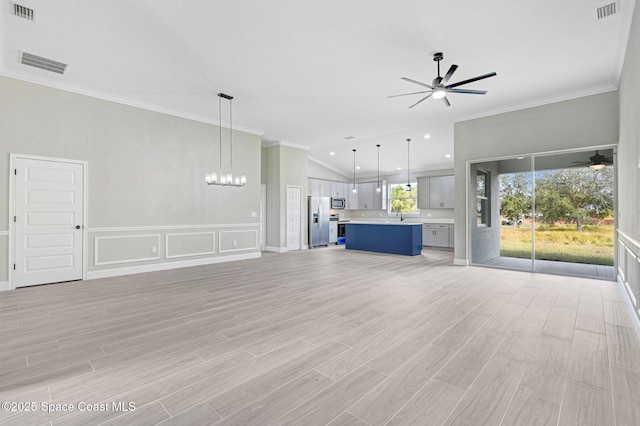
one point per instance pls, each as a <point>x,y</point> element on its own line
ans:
<point>77,226</point>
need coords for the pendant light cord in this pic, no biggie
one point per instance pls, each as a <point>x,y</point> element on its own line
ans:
<point>354,169</point>
<point>230,137</point>
<point>220,132</point>
<point>408,166</point>
<point>378,165</point>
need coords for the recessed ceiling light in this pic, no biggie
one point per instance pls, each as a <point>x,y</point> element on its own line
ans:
<point>399,168</point>
<point>358,168</point>
<point>427,136</point>
<point>447,156</point>
<point>332,153</point>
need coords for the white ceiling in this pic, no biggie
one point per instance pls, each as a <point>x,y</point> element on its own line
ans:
<point>312,73</point>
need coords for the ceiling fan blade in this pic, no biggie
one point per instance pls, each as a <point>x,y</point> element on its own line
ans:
<point>471,80</point>
<point>426,97</point>
<point>471,92</point>
<point>407,94</point>
<point>449,73</point>
<point>446,101</point>
<point>417,82</point>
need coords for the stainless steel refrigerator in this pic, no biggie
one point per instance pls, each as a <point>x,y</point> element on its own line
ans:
<point>319,221</point>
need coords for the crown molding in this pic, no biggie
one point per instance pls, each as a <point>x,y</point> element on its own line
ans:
<point>271,144</point>
<point>540,102</point>
<point>120,100</point>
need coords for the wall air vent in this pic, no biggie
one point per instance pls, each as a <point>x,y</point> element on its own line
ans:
<point>24,12</point>
<point>606,11</point>
<point>42,63</point>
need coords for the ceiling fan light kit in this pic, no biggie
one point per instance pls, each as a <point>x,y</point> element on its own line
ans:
<point>596,162</point>
<point>438,89</point>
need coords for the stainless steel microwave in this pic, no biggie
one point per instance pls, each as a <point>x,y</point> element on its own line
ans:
<point>338,203</point>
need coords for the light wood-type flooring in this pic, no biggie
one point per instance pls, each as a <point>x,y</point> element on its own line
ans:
<point>317,337</point>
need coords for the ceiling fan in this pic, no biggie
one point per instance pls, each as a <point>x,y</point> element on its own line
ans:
<point>596,162</point>
<point>439,87</point>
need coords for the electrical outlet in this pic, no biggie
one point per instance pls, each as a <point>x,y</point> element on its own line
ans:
<point>429,215</point>
<point>235,242</point>
<point>254,214</point>
<point>154,249</point>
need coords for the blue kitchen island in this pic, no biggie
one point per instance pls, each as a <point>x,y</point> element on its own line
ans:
<point>384,237</point>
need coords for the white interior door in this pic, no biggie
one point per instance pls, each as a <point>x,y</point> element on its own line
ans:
<point>48,221</point>
<point>294,217</point>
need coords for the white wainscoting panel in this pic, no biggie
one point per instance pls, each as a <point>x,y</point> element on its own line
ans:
<point>629,268</point>
<point>190,244</point>
<point>117,249</point>
<point>231,241</point>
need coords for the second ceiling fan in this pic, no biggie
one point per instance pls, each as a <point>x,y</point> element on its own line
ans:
<point>439,87</point>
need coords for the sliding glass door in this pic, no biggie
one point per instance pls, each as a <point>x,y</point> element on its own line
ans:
<point>545,213</point>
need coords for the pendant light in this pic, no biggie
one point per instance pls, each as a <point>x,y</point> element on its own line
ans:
<point>378,185</point>
<point>354,190</point>
<point>220,178</point>
<point>408,170</point>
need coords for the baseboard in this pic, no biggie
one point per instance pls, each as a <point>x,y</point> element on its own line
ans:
<point>276,249</point>
<point>460,262</point>
<point>168,265</point>
<point>4,285</point>
<point>305,247</point>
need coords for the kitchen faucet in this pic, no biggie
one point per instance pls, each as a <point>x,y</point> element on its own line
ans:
<point>401,218</point>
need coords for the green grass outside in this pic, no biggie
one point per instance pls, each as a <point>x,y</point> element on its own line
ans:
<point>594,245</point>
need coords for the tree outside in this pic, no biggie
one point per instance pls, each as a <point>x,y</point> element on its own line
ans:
<point>515,197</point>
<point>570,207</point>
<point>580,196</point>
<point>403,201</point>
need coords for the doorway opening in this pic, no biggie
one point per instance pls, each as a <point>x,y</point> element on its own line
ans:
<point>550,213</point>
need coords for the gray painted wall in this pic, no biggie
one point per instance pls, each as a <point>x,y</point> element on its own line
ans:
<point>587,121</point>
<point>628,165</point>
<point>629,145</point>
<point>271,161</point>
<point>485,240</point>
<point>285,166</point>
<point>145,169</point>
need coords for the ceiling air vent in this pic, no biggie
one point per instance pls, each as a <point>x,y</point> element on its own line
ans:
<point>42,63</point>
<point>606,11</point>
<point>23,12</point>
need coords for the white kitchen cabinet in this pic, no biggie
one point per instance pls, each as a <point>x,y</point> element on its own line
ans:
<point>441,192</point>
<point>435,235</point>
<point>353,198</point>
<point>337,189</point>
<point>325,188</point>
<point>315,187</point>
<point>423,193</point>
<point>366,195</point>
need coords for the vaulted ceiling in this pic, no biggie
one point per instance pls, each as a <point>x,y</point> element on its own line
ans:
<point>315,73</point>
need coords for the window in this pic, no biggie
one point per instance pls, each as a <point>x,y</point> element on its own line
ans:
<point>401,200</point>
<point>483,186</point>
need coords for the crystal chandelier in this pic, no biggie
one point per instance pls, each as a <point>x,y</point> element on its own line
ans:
<point>219,177</point>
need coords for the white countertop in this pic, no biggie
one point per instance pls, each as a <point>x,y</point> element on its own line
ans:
<point>362,222</point>
<point>397,220</point>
